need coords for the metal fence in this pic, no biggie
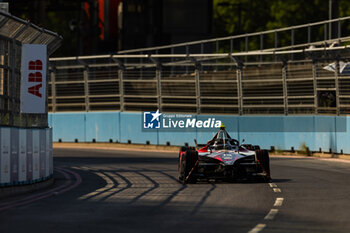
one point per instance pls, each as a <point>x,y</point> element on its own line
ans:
<point>13,32</point>
<point>205,83</point>
<point>283,71</point>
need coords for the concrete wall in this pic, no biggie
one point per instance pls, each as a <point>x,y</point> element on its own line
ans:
<point>25,155</point>
<point>282,132</point>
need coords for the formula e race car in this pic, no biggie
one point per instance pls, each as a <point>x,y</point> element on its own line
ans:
<point>223,158</point>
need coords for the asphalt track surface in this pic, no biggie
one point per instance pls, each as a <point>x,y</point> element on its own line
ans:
<point>120,191</point>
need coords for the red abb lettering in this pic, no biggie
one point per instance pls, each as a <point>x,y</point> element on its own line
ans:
<point>35,65</point>
<point>34,90</point>
<point>35,77</point>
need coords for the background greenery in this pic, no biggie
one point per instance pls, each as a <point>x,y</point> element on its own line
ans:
<point>234,17</point>
<point>230,17</point>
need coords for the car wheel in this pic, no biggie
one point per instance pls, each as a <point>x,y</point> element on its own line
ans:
<point>256,147</point>
<point>264,160</point>
<point>181,167</point>
<point>266,163</point>
<point>189,163</point>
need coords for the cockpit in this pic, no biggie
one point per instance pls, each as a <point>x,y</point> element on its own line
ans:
<point>222,141</point>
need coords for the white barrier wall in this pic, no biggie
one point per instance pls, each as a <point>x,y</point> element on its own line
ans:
<point>25,155</point>
<point>22,156</point>
<point>29,153</point>
<point>48,153</point>
<point>14,154</point>
<point>5,155</point>
<point>36,154</point>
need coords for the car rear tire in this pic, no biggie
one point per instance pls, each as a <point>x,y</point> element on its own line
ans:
<point>187,162</point>
<point>264,159</point>
<point>256,147</point>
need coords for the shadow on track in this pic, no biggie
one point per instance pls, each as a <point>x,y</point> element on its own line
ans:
<point>281,180</point>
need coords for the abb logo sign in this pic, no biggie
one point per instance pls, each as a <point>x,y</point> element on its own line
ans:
<point>35,77</point>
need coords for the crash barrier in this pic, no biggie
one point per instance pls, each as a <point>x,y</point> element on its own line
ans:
<point>26,155</point>
<point>325,133</point>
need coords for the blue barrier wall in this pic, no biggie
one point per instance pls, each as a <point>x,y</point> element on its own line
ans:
<point>282,132</point>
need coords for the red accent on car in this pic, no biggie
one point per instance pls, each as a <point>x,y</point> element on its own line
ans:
<point>204,149</point>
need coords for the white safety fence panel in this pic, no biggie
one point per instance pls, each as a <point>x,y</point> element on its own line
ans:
<point>22,155</point>
<point>25,154</point>
<point>42,153</point>
<point>51,151</point>
<point>48,153</point>
<point>36,154</point>
<point>14,154</point>
<point>5,155</point>
<point>29,154</point>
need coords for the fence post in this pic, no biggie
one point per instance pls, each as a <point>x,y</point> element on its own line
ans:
<point>285,92</point>
<point>11,82</point>
<point>276,42</point>
<point>246,47</point>
<point>121,89</point>
<point>239,89</point>
<point>198,89</point>
<point>53,89</point>
<point>86,88</point>
<point>261,45</point>
<point>292,42</point>
<point>314,74</point>
<point>159,86</point>
<point>337,86</point>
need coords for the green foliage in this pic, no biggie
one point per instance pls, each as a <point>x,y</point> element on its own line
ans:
<point>304,149</point>
<point>59,22</point>
<point>52,15</point>
<point>233,17</point>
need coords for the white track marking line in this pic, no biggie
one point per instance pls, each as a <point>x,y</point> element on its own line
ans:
<point>257,228</point>
<point>279,201</point>
<point>271,214</point>
<point>277,190</point>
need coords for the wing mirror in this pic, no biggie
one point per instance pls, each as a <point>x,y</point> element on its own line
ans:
<point>240,144</point>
